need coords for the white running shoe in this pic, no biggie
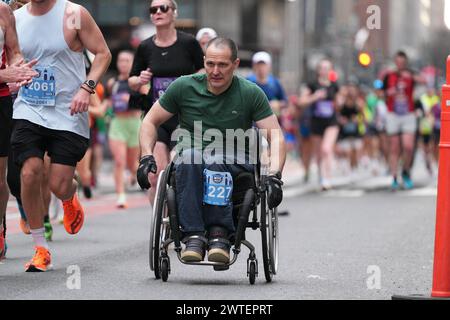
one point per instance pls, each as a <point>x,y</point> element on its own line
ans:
<point>122,201</point>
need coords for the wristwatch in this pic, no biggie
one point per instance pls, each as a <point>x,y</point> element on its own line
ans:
<point>91,84</point>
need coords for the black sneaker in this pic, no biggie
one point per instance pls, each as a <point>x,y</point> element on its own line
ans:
<point>219,246</point>
<point>195,249</point>
<point>219,251</point>
<point>87,192</point>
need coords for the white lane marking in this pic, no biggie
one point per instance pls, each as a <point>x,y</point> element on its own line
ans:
<point>422,192</point>
<point>314,277</point>
<point>344,194</point>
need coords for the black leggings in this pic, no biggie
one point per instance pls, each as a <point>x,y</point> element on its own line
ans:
<point>13,178</point>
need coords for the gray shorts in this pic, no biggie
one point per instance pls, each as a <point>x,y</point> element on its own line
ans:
<point>349,144</point>
<point>396,124</point>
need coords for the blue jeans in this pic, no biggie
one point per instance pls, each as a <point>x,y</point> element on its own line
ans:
<point>196,217</point>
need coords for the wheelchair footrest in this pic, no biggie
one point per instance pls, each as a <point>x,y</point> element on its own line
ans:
<point>221,268</point>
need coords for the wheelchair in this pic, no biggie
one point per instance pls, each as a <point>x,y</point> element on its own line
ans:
<point>250,211</point>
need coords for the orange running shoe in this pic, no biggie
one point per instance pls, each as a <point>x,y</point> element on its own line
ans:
<point>24,226</point>
<point>41,262</point>
<point>73,215</point>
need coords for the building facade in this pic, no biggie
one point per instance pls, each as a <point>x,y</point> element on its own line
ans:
<point>297,33</point>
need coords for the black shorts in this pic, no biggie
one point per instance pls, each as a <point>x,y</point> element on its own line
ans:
<point>426,138</point>
<point>30,140</point>
<point>319,126</point>
<point>166,130</point>
<point>437,136</point>
<point>6,113</point>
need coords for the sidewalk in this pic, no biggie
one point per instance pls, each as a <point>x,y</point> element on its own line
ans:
<point>371,178</point>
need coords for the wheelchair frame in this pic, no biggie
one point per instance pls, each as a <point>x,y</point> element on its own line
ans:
<point>165,229</point>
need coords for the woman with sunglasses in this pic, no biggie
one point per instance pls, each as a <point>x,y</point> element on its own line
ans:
<point>159,61</point>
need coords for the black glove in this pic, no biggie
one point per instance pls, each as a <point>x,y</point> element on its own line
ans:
<point>146,164</point>
<point>274,191</point>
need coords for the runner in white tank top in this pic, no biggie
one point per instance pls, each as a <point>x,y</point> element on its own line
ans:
<point>51,112</point>
<point>16,72</point>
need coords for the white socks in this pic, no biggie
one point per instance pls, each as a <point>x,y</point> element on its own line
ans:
<point>39,238</point>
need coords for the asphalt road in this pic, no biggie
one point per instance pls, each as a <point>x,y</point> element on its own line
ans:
<point>357,242</point>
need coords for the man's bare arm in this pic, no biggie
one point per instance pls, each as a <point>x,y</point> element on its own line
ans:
<point>13,52</point>
<point>271,130</point>
<point>148,134</point>
<point>92,39</point>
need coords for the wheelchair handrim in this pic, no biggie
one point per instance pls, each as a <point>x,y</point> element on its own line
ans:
<point>156,210</point>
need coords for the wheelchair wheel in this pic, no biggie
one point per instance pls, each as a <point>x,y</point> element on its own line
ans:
<point>159,230</point>
<point>273,239</point>
<point>265,239</point>
<point>165,269</point>
<point>252,272</point>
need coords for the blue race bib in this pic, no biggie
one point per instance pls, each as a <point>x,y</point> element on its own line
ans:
<point>218,188</point>
<point>42,91</point>
<point>401,105</point>
<point>324,109</point>
<point>120,101</point>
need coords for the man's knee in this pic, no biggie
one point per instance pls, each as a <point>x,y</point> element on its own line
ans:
<point>31,173</point>
<point>408,148</point>
<point>326,152</point>
<point>120,164</point>
<point>61,186</point>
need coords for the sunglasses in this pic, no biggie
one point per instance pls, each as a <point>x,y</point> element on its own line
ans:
<point>163,8</point>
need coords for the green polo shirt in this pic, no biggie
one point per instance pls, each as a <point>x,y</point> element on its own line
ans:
<point>237,108</point>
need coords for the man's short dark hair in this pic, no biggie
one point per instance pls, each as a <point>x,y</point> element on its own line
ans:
<point>225,42</point>
<point>401,54</point>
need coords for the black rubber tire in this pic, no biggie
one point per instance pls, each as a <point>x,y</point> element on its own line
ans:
<point>164,270</point>
<point>273,240</point>
<point>252,273</point>
<point>264,238</point>
<point>155,234</point>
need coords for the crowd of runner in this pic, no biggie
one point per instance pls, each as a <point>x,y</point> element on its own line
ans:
<point>343,127</point>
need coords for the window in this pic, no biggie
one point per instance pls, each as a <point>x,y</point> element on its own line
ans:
<point>113,12</point>
<point>249,22</point>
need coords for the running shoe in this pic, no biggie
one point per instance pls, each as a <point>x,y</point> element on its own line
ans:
<point>395,186</point>
<point>24,226</point>
<point>195,249</point>
<point>325,185</point>
<point>48,233</point>
<point>122,201</point>
<point>87,192</point>
<point>73,215</point>
<point>306,178</point>
<point>408,184</point>
<point>41,262</point>
<point>219,252</point>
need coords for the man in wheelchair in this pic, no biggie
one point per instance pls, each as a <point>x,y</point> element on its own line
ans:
<point>211,106</point>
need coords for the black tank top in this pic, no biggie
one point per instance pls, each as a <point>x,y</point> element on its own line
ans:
<point>120,96</point>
